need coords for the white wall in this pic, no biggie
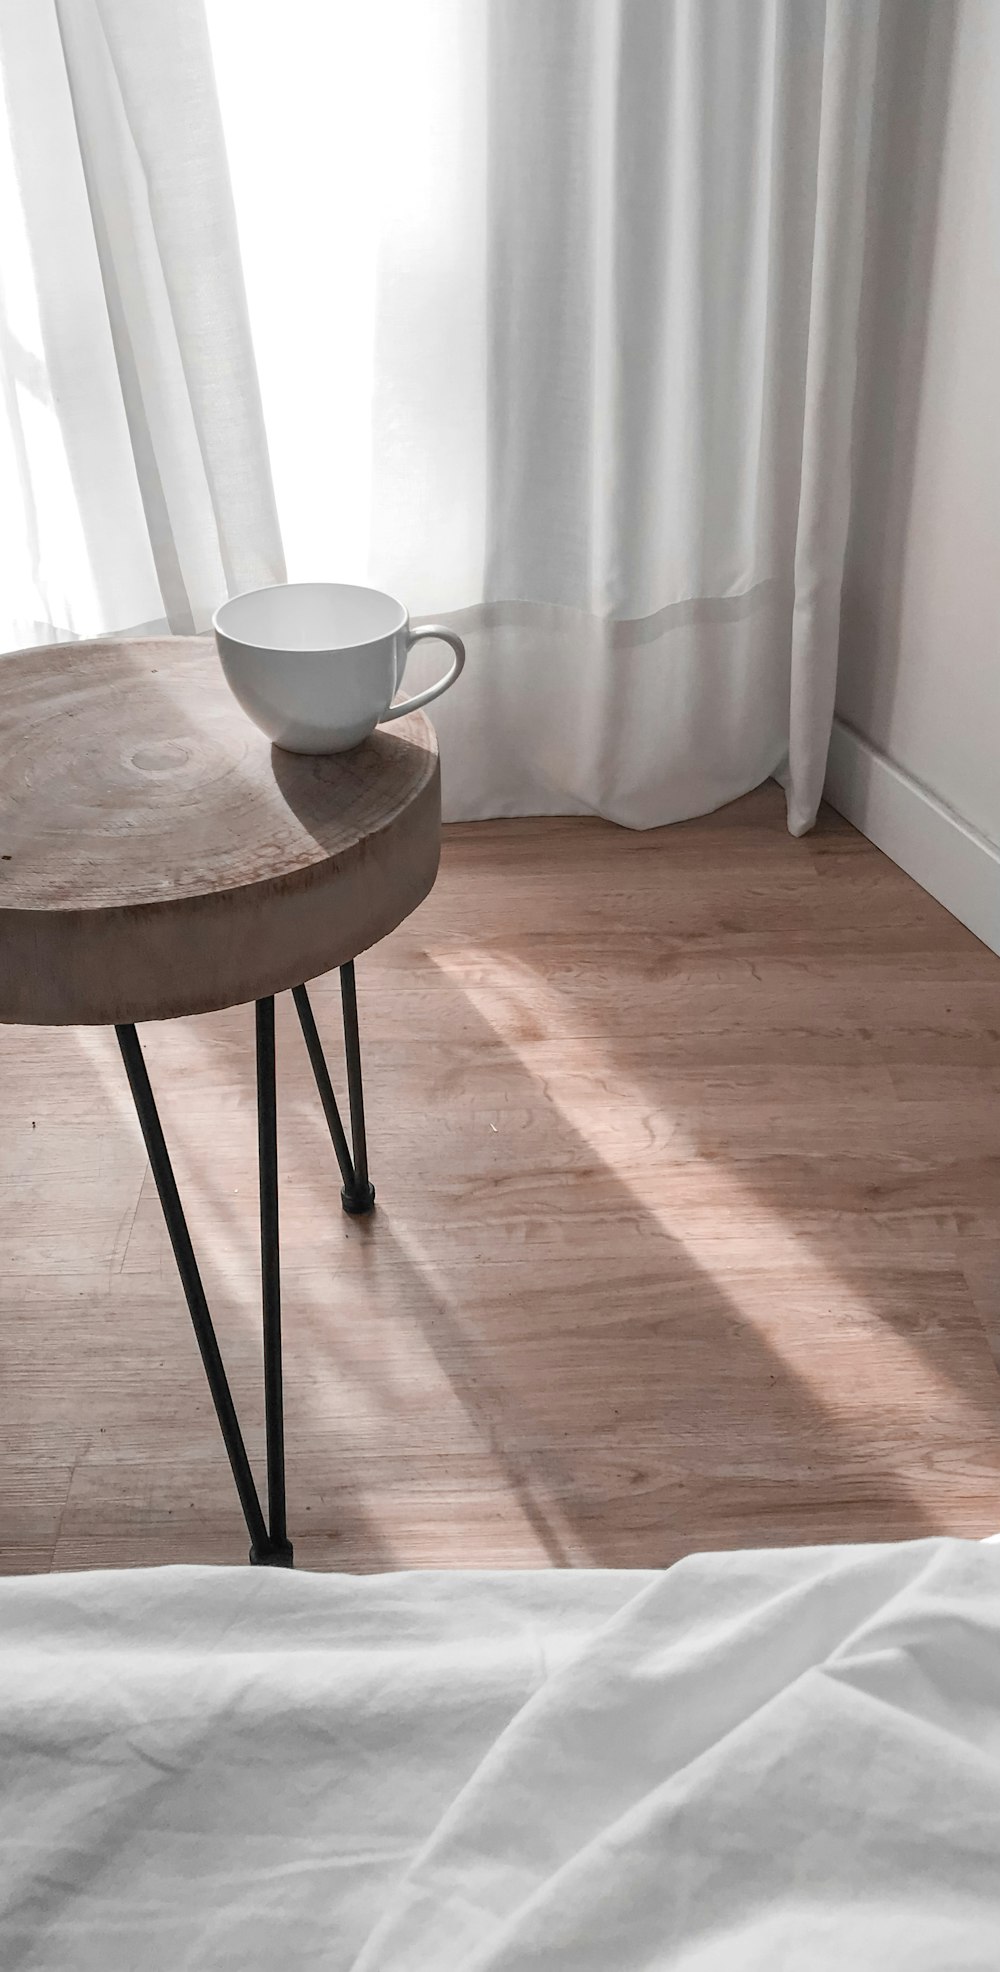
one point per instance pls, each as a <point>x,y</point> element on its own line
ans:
<point>919,688</point>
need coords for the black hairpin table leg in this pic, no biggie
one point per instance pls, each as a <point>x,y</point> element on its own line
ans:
<point>363,1197</point>
<point>269,1545</point>
<point>358,1193</point>
<point>278,1553</point>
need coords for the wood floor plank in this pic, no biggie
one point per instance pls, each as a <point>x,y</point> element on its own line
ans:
<point>34,1492</point>
<point>980,1260</point>
<point>687,1152</point>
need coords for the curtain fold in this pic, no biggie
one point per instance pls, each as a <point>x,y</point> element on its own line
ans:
<point>843,155</point>
<point>142,483</point>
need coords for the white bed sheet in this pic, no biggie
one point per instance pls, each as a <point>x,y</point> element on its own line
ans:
<point>782,1759</point>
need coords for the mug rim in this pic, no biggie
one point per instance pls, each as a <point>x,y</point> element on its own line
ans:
<point>284,650</point>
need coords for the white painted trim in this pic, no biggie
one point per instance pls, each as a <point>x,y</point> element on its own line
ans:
<point>927,839</point>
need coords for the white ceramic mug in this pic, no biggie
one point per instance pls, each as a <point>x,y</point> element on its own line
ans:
<point>316,665</point>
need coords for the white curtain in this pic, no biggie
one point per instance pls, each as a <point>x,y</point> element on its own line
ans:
<point>581,281</point>
<point>554,309</point>
<point>134,479</point>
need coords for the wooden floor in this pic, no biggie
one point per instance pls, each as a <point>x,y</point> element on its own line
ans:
<point>687,1147</point>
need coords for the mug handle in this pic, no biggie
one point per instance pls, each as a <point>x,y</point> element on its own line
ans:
<point>433,691</point>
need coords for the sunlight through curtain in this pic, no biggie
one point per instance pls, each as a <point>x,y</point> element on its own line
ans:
<point>555,311</point>
<point>134,479</point>
<point>553,306</point>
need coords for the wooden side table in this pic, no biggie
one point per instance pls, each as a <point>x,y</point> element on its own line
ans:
<point>158,857</point>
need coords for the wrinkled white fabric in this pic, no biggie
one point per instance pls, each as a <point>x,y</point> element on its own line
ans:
<point>751,1760</point>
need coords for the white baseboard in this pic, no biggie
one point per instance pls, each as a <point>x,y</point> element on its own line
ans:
<point>927,839</point>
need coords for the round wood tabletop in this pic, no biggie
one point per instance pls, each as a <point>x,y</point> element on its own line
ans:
<point>159,857</point>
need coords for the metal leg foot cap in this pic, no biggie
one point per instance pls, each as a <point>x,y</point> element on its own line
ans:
<point>278,1556</point>
<point>358,1201</point>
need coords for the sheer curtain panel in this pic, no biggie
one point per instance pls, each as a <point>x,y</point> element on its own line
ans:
<point>555,306</point>
<point>134,479</point>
